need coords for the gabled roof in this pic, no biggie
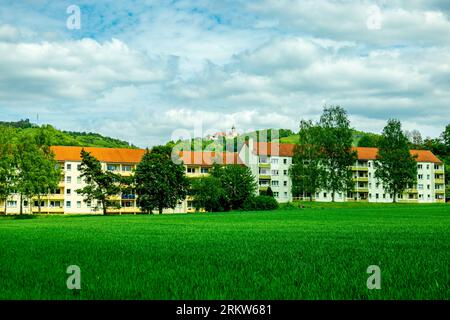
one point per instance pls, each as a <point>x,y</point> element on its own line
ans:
<point>287,150</point>
<point>110,155</point>
<point>209,158</point>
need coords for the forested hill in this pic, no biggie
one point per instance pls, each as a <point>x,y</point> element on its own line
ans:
<point>67,138</point>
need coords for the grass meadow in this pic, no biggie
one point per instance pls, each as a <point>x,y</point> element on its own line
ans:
<point>321,251</point>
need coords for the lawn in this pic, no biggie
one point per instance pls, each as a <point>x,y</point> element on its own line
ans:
<point>318,252</point>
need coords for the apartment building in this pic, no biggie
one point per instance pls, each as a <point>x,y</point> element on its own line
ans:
<point>65,198</point>
<point>270,164</point>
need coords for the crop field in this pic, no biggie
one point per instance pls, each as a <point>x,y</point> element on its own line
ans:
<point>315,252</point>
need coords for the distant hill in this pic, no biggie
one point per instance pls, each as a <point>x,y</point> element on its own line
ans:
<point>360,139</point>
<point>68,138</point>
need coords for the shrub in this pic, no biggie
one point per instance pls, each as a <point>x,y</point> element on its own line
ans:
<point>260,203</point>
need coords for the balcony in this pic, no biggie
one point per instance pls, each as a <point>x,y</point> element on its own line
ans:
<point>439,181</point>
<point>364,189</point>
<point>128,196</point>
<point>439,191</point>
<point>263,189</point>
<point>440,171</point>
<point>264,176</point>
<point>264,165</point>
<point>411,190</point>
<point>361,179</point>
<point>53,197</point>
<point>359,168</point>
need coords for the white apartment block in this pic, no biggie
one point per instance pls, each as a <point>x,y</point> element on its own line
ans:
<point>268,162</point>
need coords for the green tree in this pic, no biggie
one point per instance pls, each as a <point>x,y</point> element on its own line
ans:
<point>238,184</point>
<point>7,167</point>
<point>207,194</point>
<point>306,170</point>
<point>100,185</point>
<point>395,166</point>
<point>336,149</point>
<point>160,181</point>
<point>368,140</point>
<point>269,192</point>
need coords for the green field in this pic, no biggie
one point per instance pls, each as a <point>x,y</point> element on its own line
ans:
<point>318,252</point>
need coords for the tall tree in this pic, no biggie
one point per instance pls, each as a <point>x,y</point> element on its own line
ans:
<point>306,170</point>
<point>7,167</point>
<point>336,149</point>
<point>395,166</point>
<point>237,182</point>
<point>100,185</point>
<point>207,193</point>
<point>160,182</point>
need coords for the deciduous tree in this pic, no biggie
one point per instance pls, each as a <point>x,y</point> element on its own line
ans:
<point>395,166</point>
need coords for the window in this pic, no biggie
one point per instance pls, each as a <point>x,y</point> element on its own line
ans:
<point>420,186</point>
<point>205,170</point>
<point>88,203</point>
<point>78,204</point>
<point>420,196</point>
<point>11,204</point>
<point>428,187</point>
<point>276,194</point>
<point>285,183</point>
<point>190,170</point>
<point>275,172</point>
<point>377,195</point>
<point>68,179</point>
<point>274,160</point>
<point>78,180</point>
<point>284,161</point>
<point>285,172</point>
<point>111,167</point>
<point>68,191</point>
<point>68,204</point>
<point>419,166</point>
<point>428,177</point>
<point>69,167</point>
<point>436,167</point>
<point>420,176</point>
<point>126,168</point>
<point>428,167</point>
<point>36,203</point>
<point>384,196</point>
<point>285,194</point>
<point>324,194</point>
<point>79,167</point>
<point>275,183</point>
<point>369,164</point>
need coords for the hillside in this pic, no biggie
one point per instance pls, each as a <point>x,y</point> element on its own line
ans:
<point>67,138</point>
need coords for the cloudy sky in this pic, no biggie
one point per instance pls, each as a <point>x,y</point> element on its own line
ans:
<point>148,71</point>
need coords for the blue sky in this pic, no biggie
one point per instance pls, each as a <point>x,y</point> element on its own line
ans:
<point>150,71</point>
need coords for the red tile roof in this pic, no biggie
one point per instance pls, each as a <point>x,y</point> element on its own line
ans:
<point>111,155</point>
<point>287,150</point>
<point>209,158</point>
<point>275,149</point>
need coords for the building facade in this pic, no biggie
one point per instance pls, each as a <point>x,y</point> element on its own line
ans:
<point>268,162</point>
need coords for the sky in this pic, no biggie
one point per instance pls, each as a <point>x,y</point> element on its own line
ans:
<point>150,71</point>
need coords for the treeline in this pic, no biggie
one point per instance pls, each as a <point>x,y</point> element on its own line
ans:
<point>65,138</point>
<point>324,155</point>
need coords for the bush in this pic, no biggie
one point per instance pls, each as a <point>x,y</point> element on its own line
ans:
<point>260,203</point>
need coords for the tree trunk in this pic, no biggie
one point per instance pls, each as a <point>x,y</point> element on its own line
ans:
<point>21,206</point>
<point>310,197</point>
<point>104,207</point>
<point>6,201</point>
<point>161,210</point>
<point>332,197</point>
<point>395,197</point>
<point>39,203</point>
